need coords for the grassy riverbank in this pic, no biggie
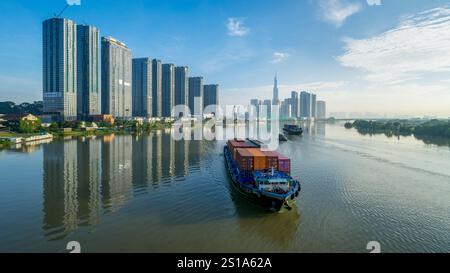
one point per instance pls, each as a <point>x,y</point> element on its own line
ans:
<point>419,128</point>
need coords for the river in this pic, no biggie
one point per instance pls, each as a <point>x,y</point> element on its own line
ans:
<point>149,193</point>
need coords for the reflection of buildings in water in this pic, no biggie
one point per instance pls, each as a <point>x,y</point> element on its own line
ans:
<point>181,160</point>
<point>168,154</point>
<point>309,127</point>
<point>86,175</point>
<point>195,153</point>
<point>60,188</point>
<point>321,128</point>
<point>117,171</point>
<point>72,174</point>
<point>89,177</point>
<point>142,160</point>
<point>156,157</point>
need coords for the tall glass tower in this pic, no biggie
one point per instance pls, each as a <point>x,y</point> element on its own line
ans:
<point>276,99</point>
<point>116,78</point>
<point>59,68</point>
<point>88,73</point>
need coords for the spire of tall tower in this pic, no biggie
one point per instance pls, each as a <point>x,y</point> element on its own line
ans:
<point>275,90</point>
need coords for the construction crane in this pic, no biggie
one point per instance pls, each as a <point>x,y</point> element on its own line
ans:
<point>61,13</point>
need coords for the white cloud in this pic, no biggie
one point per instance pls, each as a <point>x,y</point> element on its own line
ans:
<point>236,27</point>
<point>279,57</point>
<point>374,2</point>
<point>418,46</point>
<point>337,11</point>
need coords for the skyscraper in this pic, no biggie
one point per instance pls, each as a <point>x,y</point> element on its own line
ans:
<point>88,71</point>
<point>181,85</point>
<point>295,104</point>
<point>196,94</point>
<point>116,78</point>
<point>210,95</point>
<point>321,110</point>
<point>275,100</point>
<point>157,88</point>
<point>168,89</point>
<point>267,104</point>
<point>286,108</point>
<point>305,105</point>
<point>256,103</point>
<point>313,106</point>
<point>60,68</point>
<point>142,87</point>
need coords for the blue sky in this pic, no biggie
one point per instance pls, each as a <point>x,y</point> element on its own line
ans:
<point>386,56</point>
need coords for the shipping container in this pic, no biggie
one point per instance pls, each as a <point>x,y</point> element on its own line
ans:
<point>244,160</point>
<point>272,160</point>
<point>284,163</point>
<point>259,160</point>
<point>234,144</point>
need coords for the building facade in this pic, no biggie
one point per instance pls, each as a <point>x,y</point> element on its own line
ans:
<point>142,88</point>
<point>116,78</point>
<point>60,68</point>
<point>210,95</point>
<point>267,113</point>
<point>321,110</point>
<point>286,108</point>
<point>256,103</point>
<point>305,105</point>
<point>196,95</point>
<point>157,88</point>
<point>168,89</point>
<point>88,71</point>
<point>181,85</point>
<point>295,104</point>
<point>313,106</point>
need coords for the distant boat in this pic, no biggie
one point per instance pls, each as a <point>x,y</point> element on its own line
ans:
<point>262,176</point>
<point>293,130</point>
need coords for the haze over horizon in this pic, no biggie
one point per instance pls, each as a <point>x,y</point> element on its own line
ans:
<point>390,57</point>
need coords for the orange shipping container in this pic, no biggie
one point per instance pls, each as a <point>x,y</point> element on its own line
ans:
<point>272,160</point>
<point>259,160</point>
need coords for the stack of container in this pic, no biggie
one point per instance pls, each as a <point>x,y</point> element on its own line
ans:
<point>238,144</point>
<point>259,160</point>
<point>244,160</point>
<point>272,160</point>
<point>249,157</point>
<point>284,164</point>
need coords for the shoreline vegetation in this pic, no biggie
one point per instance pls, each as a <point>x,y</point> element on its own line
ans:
<point>60,130</point>
<point>430,131</point>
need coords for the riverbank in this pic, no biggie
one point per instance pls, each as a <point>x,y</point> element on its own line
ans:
<point>7,139</point>
<point>430,128</point>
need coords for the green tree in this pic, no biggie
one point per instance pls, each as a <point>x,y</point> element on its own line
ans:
<point>28,126</point>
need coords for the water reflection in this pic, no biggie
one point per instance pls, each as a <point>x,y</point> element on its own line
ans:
<point>86,177</point>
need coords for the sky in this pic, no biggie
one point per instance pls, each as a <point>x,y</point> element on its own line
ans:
<point>389,57</point>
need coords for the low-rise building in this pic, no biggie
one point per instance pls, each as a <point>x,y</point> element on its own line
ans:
<point>103,118</point>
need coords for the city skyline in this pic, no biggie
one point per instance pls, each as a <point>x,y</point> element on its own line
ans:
<point>130,87</point>
<point>353,49</point>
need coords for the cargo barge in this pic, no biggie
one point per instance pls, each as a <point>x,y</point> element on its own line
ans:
<point>260,175</point>
<point>293,130</point>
